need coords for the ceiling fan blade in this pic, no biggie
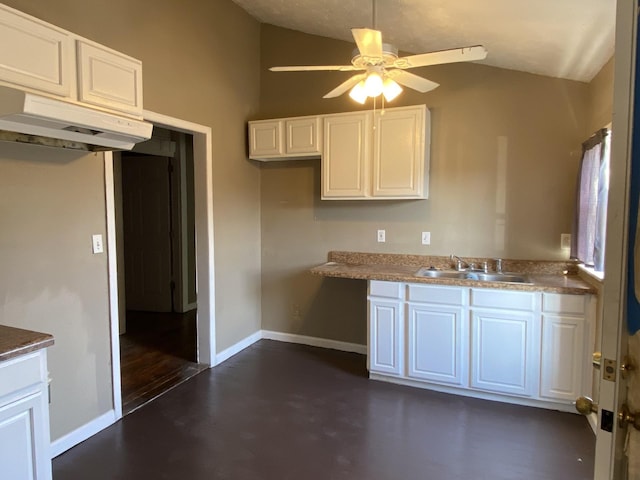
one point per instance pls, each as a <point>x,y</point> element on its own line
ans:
<point>465,54</point>
<point>344,86</point>
<point>369,41</point>
<point>412,81</point>
<point>312,68</point>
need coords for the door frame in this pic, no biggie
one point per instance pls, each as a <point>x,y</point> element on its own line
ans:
<point>205,285</point>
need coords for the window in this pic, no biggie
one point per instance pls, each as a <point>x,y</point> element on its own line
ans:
<point>588,240</point>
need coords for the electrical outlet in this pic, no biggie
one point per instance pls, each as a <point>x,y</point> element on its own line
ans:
<point>565,240</point>
<point>426,238</point>
<point>381,236</point>
<point>98,246</point>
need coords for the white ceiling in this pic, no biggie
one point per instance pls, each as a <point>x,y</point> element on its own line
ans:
<point>570,39</point>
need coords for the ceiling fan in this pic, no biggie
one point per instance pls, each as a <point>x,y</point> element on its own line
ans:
<point>383,70</point>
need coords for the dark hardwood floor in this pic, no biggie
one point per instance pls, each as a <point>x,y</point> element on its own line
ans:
<point>157,352</point>
<point>280,411</point>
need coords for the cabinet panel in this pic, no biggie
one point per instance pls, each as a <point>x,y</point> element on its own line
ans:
<point>436,343</point>
<point>562,357</point>
<point>379,288</point>
<point>385,334</point>
<point>265,138</point>
<point>504,299</point>
<point>35,54</point>
<point>109,79</point>
<point>399,153</point>
<point>502,356</point>
<point>562,303</point>
<point>345,170</point>
<point>303,136</point>
<point>438,294</point>
<point>25,450</point>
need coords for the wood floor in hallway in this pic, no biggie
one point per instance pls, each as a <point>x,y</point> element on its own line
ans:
<point>279,411</point>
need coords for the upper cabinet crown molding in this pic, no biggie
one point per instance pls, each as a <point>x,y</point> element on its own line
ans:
<point>48,60</point>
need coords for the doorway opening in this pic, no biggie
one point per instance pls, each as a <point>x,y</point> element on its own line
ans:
<point>155,215</point>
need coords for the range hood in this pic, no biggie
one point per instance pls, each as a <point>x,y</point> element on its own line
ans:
<point>31,118</point>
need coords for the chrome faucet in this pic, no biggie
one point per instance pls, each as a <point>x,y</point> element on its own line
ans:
<point>459,262</point>
<point>498,265</point>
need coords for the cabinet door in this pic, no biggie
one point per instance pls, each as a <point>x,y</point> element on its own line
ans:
<point>436,343</point>
<point>265,139</point>
<point>562,357</point>
<point>109,79</point>
<point>345,170</point>
<point>303,136</point>
<point>502,351</point>
<point>399,154</point>
<point>385,336</point>
<point>25,449</point>
<point>35,54</point>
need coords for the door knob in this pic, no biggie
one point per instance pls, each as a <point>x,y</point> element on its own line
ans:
<point>627,366</point>
<point>585,406</point>
<point>625,417</point>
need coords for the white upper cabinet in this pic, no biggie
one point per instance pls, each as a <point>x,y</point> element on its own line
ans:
<point>399,154</point>
<point>109,79</point>
<point>49,60</point>
<point>369,157</point>
<point>35,54</point>
<point>285,138</point>
<point>345,163</point>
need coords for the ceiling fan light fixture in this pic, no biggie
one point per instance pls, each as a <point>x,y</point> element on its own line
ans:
<point>373,84</point>
<point>358,93</point>
<point>390,89</point>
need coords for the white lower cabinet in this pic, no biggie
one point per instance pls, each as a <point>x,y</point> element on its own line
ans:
<point>502,351</point>
<point>386,332</point>
<point>525,346</point>
<point>437,332</point>
<point>24,418</point>
<point>564,330</point>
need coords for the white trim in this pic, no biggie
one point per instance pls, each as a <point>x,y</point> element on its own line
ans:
<point>591,272</point>
<point>80,434</point>
<point>203,187</point>
<point>314,341</point>
<point>190,306</point>
<point>238,347</point>
<point>112,262</point>
<point>515,400</point>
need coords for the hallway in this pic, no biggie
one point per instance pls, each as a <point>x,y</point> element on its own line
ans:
<point>282,411</point>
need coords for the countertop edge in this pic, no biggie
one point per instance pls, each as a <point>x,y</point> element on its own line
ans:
<point>359,272</point>
<point>15,342</point>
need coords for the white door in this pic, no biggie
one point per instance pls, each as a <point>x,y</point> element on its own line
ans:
<point>610,458</point>
<point>147,226</point>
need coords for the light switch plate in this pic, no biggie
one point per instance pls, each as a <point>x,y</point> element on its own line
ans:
<point>426,238</point>
<point>381,236</point>
<point>98,246</point>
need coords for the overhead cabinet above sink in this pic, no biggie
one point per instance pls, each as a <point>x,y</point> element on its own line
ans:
<point>381,155</point>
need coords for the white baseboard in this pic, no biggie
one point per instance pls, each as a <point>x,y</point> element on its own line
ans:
<point>314,341</point>
<point>80,434</point>
<point>238,347</point>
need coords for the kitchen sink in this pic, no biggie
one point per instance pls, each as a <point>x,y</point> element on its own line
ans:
<point>477,276</point>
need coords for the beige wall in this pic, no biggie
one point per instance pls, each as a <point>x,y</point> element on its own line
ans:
<point>494,132</point>
<point>201,63</point>
<point>601,98</point>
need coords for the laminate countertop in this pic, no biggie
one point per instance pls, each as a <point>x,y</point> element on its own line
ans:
<point>16,341</point>
<point>545,276</point>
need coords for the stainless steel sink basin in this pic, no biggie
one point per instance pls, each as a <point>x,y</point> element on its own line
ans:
<point>427,272</point>
<point>497,277</point>
<point>477,276</point>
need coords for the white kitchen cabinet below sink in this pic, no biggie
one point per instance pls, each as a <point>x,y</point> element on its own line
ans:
<point>520,347</point>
